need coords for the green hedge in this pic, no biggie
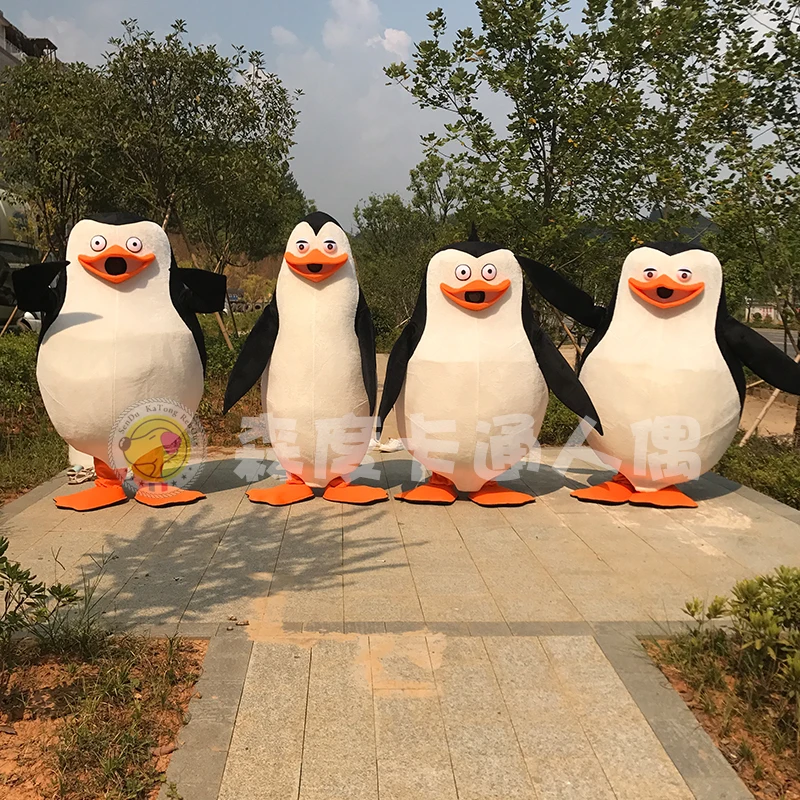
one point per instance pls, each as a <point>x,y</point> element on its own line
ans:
<point>766,465</point>
<point>30,450</point>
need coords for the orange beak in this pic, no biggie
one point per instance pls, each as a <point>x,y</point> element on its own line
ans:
<point>476,295</point>
<point>663,292</point>
<point>116,264</point>
<point>316,265</point>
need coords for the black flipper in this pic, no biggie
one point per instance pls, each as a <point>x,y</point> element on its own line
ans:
<point>254,356</point>
<point>32,285</point>
<point>42,288</point>
<point>207,289</point>
<point>563,294</point>
<point>365,331</point>
<point>560,377</point>
<point>401,354</point>
<point>193,292</point>
<point>761,356</point>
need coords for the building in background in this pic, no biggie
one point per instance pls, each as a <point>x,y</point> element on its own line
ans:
<point>16,47</point>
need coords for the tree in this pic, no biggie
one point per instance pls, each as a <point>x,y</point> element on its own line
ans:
<point>437,187</point>
<point>392,246</point>
<point>165,128</point>
<point>605,122</point>
<point>756,199</point>
<point>54,146</point>
<point>187,122</point>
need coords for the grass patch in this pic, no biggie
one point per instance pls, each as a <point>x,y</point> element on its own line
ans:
<point>223,430</point>
<point>765,464</point>
<point>96,727</point>
<point>558,425</point>
<point>30,449</point>
<point>742,679</point>
<point>83,714</point>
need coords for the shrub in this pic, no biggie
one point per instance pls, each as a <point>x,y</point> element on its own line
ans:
<point>765,464</point>
<point>19,390</point>
<point>30,450</point>
<point>28,605</point>
<point>558,425</point>
<point>759,649</point>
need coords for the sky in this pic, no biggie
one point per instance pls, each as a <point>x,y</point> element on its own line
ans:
<point>356,136</point>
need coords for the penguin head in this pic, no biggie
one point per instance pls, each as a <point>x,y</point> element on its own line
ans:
<point>671,277</point>
<point>318,248</point>
<point>474,276</point>
<point>119,246</point>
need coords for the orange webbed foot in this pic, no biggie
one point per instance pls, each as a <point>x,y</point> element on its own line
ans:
<point>668,497</point>
<point>295,490</point>
<point>107,491</point>
<point>437,490</point>
<point>494,494</point>
<point>92,499</point>
<point>170,496</point>
<point>339,491</point>
<point>618,490</point>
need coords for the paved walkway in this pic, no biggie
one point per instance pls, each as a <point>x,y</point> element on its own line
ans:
<point>423,653</point>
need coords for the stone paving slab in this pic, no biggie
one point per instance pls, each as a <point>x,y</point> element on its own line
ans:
<point>397,651</point>
<point>554,561</point>
<point>420,716</point>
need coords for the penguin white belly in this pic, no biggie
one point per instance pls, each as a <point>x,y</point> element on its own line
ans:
<point>314,381</point>
<point>455,395</point>
<point>669,408</point>
<point>93,365</point>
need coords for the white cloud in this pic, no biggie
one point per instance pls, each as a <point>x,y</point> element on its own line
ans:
<point>393,41</point>
<point>351,23</point>
<point>283,37</point>
<point>83,39</point>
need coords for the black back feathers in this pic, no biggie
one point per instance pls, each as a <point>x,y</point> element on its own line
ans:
<point>318,219</point>
<point>673,248</point>
<point>117,218</point>
<point>473,248</point>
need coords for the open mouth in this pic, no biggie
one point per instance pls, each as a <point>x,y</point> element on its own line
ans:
<point>315,266</point>
<point>476,295</point>
<point>115,264</point>
<point>665,292</point>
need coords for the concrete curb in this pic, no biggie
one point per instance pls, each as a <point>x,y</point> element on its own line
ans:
<point>14,507</point>
<point>196,769</point>
<point>706,772</point>
<point>770,503</point>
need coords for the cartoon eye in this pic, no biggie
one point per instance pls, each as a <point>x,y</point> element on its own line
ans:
<point>330,246</point>
<point>134,244</point>
<point>302,246</point>
<point>650,273</point>
<point>684,275</point>
<point>98,243</point>
<point>463,272</point>
<point>489,272</point>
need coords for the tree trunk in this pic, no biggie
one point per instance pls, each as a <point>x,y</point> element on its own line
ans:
<point>796,434</point>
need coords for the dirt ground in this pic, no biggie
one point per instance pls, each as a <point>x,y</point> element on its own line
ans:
<point>778,422</point>
<point>40,700</point>
<point>769,776</point>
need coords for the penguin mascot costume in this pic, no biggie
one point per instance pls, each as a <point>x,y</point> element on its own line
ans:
<point>664,368</point>
<point>314,350</point>
<point>472,359</point>
<point>118,328</point>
